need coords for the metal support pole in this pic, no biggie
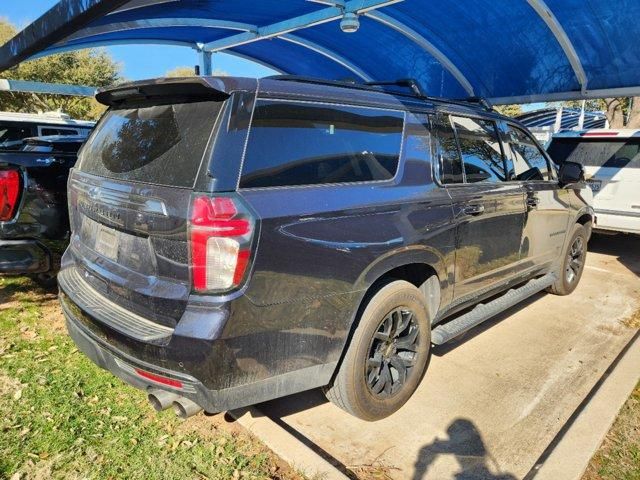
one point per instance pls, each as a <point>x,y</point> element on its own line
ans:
<point>558,124</point>
<point>205,63</point>
<point>581,120</point>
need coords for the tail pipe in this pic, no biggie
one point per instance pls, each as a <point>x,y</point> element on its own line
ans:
<point>161,399</point>
<point>185,408</point>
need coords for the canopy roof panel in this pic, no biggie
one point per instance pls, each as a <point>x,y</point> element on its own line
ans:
<point>509,51</point>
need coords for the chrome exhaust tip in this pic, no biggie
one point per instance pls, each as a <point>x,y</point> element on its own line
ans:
<point>161,399</point>
<point>185,408</point>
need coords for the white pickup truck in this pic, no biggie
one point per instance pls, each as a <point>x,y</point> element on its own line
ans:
<point>611,159</point>
<point>15,127</point>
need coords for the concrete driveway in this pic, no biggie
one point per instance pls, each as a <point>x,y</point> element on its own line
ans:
<point>493,400</point>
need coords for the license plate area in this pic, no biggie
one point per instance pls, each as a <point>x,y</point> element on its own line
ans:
<point>107,242</point>
<point>595,185</point>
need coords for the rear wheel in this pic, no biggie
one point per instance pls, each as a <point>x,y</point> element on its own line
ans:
<point>387,356</point>
<point>573,262</point>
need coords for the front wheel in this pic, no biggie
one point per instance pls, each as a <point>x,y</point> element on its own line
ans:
<point>387,356</point>
<point>572,263</point>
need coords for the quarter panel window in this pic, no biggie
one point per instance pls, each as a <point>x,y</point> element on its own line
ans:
<point>480,149</point>
<point>308,144</point>
<point>529,163</point>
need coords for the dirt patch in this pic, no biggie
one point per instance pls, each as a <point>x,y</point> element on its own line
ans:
<point>52,316</point>
<point>39,470</point>
<point>633,321</point>
<point>15,304</point>
<point>8,385</point>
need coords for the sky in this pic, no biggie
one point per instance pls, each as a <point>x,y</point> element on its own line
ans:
<point>138,61</point>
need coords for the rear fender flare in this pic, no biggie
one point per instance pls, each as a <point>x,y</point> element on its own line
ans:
<point>402,257</point>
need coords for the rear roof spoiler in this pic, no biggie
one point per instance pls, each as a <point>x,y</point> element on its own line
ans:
<point>188,89</point>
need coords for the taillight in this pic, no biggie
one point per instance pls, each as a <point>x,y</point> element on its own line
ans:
<point>9,193</point>
<point>220,235</point>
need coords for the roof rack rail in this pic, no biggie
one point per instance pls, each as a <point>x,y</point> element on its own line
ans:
<point>480,101</point>
<point>414,87</point>
<point>410,83</point>
<point>318,81</point>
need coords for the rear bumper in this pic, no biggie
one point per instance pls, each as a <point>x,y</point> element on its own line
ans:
<point>124,367</point>
<point>24,256</point>
<point>199,364</point>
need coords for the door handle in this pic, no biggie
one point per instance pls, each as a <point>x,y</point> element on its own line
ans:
<point>474,209</point>
<point>533,202</point>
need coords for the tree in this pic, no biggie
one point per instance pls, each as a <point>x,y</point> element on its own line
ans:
<point>621,112</point>
<point>93,67</point>
<point>509,110</point>
<point>181,72</point>
<point>634,113</point>
<point>191,72</point>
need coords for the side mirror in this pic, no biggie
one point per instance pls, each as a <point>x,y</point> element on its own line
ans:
<point>571,172</point>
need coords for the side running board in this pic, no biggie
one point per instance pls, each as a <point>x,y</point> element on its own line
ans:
<point>484,311</point>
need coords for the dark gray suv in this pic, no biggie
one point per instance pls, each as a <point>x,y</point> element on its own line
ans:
<point>237,240</point>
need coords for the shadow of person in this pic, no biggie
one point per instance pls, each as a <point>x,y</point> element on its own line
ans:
<point>466,445</point>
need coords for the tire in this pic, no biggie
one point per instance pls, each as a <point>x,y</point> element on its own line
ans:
<point>571,263</point>
<point>369,383</point>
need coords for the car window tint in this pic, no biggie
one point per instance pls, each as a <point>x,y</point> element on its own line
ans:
<point>451,163</point>
<point>597,152</point>
<point>308,144</point>
<point>529,163</point>
<point>417,149</point>
<point>11,135</point>
<point>159,144</point>
<point>480,150</point>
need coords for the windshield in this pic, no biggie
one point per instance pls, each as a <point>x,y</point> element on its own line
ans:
<point>160,144</point>
<point>596,152</point>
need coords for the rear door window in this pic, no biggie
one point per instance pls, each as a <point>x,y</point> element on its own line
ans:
<point>529,162</point>
<point>595,152</point>
<point>159,144</point>
<point>293,143</point>
<point>480,149</point>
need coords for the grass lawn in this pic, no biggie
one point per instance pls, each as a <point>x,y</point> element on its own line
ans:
<point>619,455</point>
<point>618,458</point>
<point>63,417</point>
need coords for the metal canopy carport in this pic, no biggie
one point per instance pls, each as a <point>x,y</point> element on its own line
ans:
<point>509,51</point>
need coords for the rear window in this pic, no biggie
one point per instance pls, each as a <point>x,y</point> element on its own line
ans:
<point>12,134</point>
<point>161,144</point>
<point>44,131</point>
<point>593,152</point>
<point>308,144</point>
